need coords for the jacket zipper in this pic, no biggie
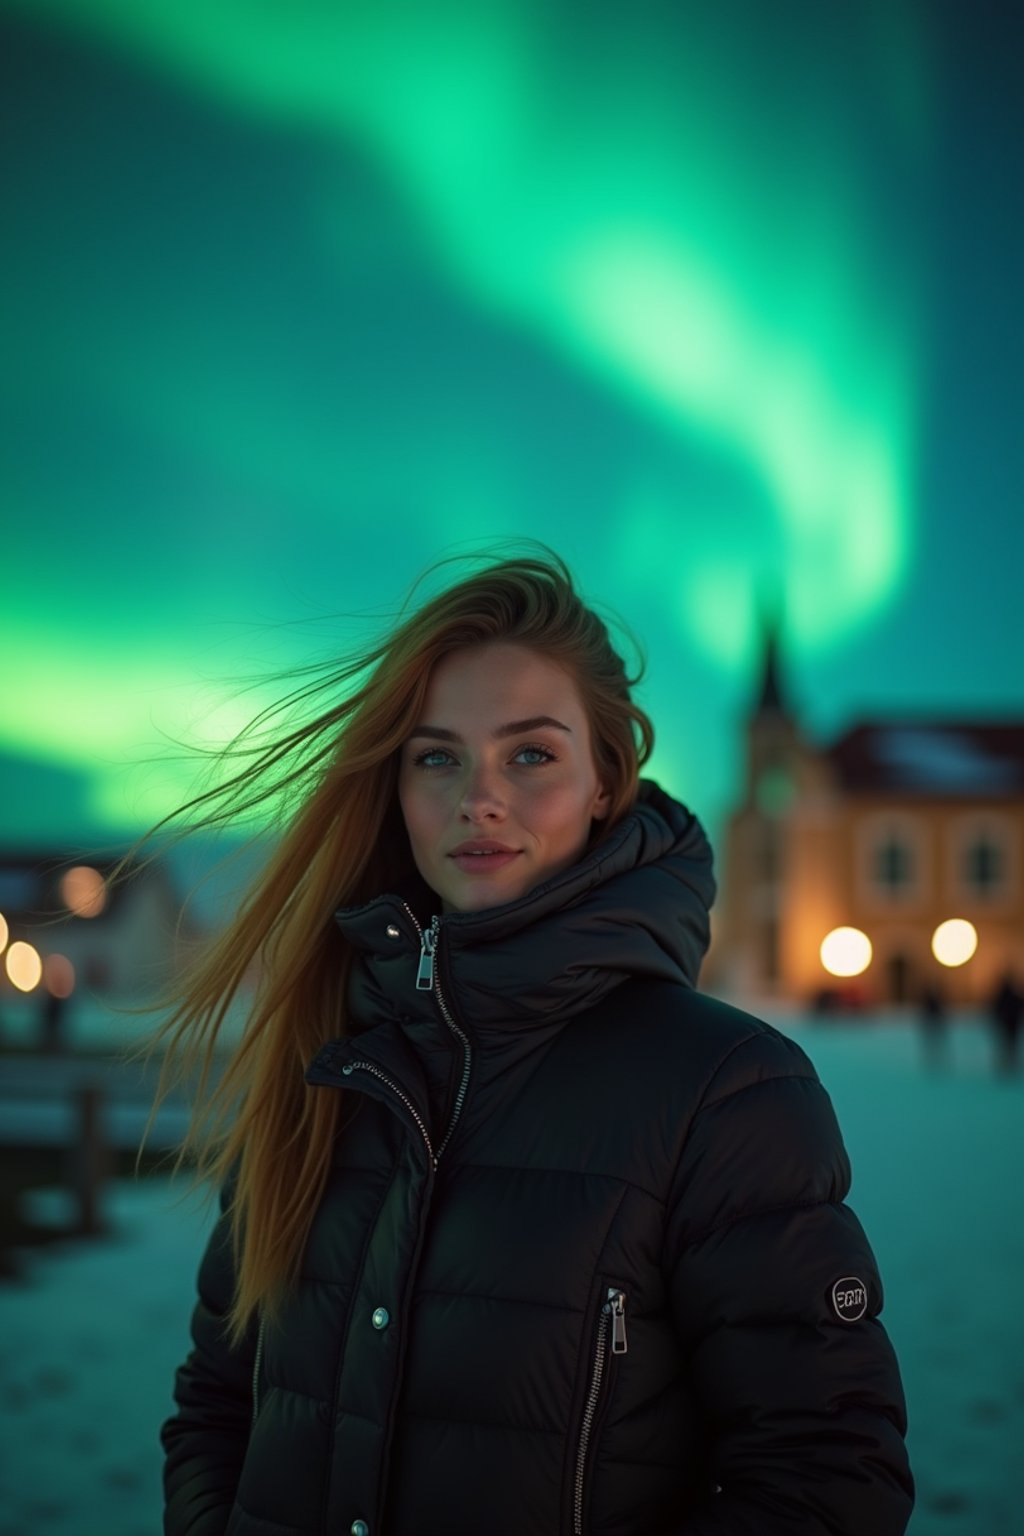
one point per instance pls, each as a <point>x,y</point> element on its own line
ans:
<point>613,1309</point>
<point>427,980</point>
<point>375,1071</point>
<point>346,1071</point>
<point>256,1373</point>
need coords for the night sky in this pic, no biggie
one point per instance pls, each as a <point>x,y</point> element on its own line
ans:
<point>721,300</point>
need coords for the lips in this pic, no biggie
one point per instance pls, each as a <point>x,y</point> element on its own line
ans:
<point>481,845</point>
<point>482,857</point>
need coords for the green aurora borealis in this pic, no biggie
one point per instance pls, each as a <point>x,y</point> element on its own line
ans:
<point>719,300</point>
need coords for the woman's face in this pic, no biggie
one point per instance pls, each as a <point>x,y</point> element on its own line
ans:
<point>501,756</point>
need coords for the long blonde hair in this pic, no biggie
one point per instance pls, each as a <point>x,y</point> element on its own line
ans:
<point>258,1123</point>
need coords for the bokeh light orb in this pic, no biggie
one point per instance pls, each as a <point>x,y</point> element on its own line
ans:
<point>83,891</point>
<point>4,932</point>
<point>845,952</point>
<point>954,941</point>
<point>59,975</point>
<point>24,966</point>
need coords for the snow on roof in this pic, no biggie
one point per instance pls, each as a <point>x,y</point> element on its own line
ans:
<point>979,760</point>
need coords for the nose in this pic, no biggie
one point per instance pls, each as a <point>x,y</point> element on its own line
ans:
<point>482,797</point>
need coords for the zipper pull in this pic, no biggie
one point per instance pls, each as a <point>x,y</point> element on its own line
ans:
<point>425,974</point>
<point>616,1305</point>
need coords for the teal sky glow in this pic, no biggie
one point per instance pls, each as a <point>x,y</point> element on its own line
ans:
<point>302,296</point>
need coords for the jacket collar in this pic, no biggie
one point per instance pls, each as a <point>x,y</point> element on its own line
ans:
<point>636,905</point>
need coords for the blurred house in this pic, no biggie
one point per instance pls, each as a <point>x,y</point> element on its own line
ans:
<point>892,830</point>
<point>119,940</point>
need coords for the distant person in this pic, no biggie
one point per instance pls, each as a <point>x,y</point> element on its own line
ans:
<point>1006,1010</point>
<point>933,1016</point>
<point>825,1003</point>
<point>52,1022</point>
<point>520,1232</point>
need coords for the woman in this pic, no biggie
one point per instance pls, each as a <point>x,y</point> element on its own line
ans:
<point>521,1235</point>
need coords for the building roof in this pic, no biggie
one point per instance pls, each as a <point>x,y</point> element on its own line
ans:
<point>939,759</point>
<point>30,884</point>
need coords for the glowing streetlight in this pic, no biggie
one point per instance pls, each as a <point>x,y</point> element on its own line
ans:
<point>4,933</point>
<point>845,952</point>
<point>83,891</point>
<point>954,941</point>
<point>24,966</point>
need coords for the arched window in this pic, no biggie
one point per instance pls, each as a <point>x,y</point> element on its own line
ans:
<point>984,864</point>
<point>893,859</point>
<point>984,857</point>
<point>893,865</point>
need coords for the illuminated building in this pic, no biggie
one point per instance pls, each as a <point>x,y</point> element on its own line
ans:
<point>121,941</point>
<point>893,829</point>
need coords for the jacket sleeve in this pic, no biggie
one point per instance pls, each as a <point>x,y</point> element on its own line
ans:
<point>205,1440</point>
<point>801,1396</point>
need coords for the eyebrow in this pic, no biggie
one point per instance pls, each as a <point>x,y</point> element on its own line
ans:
<point>513,728</point>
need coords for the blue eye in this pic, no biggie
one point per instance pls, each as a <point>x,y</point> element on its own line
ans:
<point>545,755</point>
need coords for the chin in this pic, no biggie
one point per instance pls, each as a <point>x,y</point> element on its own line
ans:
<point>477,901</point>
<point>483,895</point>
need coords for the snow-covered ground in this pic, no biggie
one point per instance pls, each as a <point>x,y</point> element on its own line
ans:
<point>89,1340</point>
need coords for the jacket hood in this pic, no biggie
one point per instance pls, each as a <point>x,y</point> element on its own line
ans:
<point>637,904</point>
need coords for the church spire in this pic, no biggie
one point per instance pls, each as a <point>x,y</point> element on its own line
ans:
<point>771,699</point>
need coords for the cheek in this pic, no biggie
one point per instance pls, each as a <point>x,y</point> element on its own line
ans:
<point>409,805</point>
<point>561,810</point>
<point>419,808</point>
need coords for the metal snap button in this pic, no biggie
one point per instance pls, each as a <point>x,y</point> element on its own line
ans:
<point>381,1317</point>
<point>393,932</point>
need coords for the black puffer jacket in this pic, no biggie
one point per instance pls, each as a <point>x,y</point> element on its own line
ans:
<point>582,1264</point>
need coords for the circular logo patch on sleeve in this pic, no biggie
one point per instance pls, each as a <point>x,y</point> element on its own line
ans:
<point>850,1298</point>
